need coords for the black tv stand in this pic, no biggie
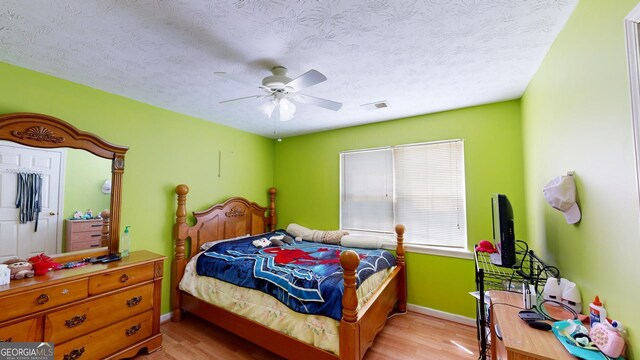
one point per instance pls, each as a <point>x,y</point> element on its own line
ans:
<point>488,276</point>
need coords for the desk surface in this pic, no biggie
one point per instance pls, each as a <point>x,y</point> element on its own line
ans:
<point>517,336</point>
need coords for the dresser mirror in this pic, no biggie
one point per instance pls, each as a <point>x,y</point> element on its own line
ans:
<point>68,170</point>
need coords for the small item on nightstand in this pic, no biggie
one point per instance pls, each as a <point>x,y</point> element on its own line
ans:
<point>78,215</point>
<point>88,214</point>
<point>125,242</point>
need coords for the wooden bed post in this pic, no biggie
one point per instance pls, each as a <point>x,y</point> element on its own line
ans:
<point>273,219</point>
<point>180,233</point>
<point>400,261</point>
<point>106,220</point>
<point>349,326</point>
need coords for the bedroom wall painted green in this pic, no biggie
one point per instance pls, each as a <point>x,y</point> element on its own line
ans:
<point>307,177</point>
<point>576,116</point>
<point>165,149</point>
<point>84,176</point>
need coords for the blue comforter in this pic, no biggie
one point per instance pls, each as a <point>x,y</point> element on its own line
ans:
<point>305,276</point>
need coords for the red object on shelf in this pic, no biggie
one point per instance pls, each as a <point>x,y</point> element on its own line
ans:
<point>486,246</point>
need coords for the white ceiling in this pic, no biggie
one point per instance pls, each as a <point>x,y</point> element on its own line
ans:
<point>420,56</point>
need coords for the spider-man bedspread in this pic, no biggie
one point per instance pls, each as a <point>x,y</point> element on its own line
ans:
<point>305,276</point>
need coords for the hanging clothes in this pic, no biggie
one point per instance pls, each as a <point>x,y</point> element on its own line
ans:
<point>29,197</point>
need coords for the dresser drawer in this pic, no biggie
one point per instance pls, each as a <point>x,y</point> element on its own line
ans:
<point>83,226</point>
<point>69,323</point>
<point>24,331</point>
<point>121,278</point>
<point>101,343</point>
<point>84,245</point>
<point>85,236</point>
<point>42,299</point>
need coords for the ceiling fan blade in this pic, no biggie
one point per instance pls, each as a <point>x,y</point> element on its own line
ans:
<point>244,98</point>
<point>307,79</point>
<point>312,100</point>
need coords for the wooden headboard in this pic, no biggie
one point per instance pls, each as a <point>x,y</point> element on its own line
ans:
<point>235,217</point>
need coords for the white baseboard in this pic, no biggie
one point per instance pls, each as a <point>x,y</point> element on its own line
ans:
<point>442,315</point>
<point>411,307</point>
<point>165,317</point>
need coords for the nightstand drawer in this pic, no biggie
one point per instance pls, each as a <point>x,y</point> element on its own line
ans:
<point>101,343</point>
<point>72,322</point>
<point>119,279</point>
<point>24,331</point>
<point>42,299</point>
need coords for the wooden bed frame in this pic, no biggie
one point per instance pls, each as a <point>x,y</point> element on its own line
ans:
<point>237,216</point>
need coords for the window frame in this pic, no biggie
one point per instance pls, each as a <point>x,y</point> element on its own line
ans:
<point>389,241</point>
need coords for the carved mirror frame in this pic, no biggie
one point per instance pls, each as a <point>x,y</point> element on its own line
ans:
<point>44,131</point>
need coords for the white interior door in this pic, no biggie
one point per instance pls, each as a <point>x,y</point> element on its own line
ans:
<point>20,239</point>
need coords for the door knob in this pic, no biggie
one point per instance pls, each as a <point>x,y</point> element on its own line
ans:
<point>51,213</point>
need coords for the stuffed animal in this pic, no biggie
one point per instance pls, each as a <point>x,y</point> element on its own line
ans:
<point>261,243</point>
<point>20,268</point>
<point>42,264</point>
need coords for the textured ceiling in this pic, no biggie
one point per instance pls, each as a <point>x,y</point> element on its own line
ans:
<point>420,56</point>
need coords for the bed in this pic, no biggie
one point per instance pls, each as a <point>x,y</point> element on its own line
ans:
<point>360,322</point>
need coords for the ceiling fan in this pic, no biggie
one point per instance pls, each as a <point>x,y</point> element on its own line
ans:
<point>282,92</point>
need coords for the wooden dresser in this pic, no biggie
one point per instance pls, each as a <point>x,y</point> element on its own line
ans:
<point>82,234</point>
<point>99,311</point>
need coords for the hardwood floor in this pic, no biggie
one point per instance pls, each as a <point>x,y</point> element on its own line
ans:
<point>406,336</point>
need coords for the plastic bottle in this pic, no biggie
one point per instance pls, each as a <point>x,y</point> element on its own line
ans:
<point>596,312</point>
<point>125,241</point>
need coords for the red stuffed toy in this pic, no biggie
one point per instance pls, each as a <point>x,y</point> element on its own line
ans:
<point>42,264</point>
<point>486,246</point>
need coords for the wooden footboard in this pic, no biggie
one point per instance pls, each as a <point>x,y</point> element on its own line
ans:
<point>359,328</point>
<point>238,216</point>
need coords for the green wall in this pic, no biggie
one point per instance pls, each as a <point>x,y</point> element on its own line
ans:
<point>576,116</point>
<point>307,178</point>
<point>85,174</point>
<point>165,149</point>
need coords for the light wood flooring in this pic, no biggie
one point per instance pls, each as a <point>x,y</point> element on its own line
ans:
<point>406,336</point>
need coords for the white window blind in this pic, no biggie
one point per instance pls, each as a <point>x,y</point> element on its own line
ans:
<point>427,183</point>
<point>367,190</point>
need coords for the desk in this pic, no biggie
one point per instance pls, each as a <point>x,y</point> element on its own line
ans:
<point>519,341</point>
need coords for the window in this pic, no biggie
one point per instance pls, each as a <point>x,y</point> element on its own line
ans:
<point>420,185</point>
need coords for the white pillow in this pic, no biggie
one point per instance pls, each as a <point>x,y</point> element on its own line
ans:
<point>207,245</point>
<point>361,241</point>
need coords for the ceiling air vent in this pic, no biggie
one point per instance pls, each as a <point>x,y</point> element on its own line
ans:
<point>378,105</point>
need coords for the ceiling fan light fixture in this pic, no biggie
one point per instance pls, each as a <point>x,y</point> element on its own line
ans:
<point>267,108</point>
<point>287,109</point>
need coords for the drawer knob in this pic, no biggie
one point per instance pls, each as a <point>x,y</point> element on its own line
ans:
<point>74,354</point>
<point>132,330</point>
<point>75,321</point>
<point>124,278</point>
<point>7,340</point>
<point>42,299</point>
<point>134,301</point>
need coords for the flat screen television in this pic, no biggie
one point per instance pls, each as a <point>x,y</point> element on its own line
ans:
<point>504,237</point>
